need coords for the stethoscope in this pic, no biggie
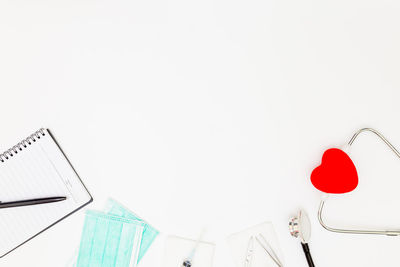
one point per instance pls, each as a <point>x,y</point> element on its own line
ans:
<point>300,227</point>
<point>360,231</point>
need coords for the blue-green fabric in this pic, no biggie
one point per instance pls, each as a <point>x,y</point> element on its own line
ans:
<point>149,233</point>
<point>109,241</point>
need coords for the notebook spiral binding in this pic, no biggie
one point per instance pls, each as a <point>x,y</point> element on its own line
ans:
<point>21,145</point>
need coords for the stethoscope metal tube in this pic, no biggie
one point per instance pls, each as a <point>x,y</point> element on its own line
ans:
<point>357,231</point>
<point>350,231</point>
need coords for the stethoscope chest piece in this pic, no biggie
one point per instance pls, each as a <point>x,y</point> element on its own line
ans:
<point>300,227</point>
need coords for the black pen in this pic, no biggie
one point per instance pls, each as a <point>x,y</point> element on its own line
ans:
<point>30,202</point>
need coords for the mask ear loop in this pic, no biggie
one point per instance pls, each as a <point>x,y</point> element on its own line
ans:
<point>355,231</point>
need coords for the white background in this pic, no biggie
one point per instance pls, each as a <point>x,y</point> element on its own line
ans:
<point>210,113</point>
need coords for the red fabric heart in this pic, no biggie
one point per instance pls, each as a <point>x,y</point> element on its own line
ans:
<point>336,174</point>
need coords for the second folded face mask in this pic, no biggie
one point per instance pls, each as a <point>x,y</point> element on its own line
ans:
<point>149,232</point>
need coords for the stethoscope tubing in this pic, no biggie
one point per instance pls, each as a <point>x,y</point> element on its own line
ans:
<point>307,253</point>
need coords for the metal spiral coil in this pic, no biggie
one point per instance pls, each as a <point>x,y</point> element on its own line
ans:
<point>22,145</point>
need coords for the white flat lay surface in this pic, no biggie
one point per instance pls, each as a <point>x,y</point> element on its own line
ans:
<point>210,114</point>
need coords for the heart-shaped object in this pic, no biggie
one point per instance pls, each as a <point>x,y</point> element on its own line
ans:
<point>336,174</point>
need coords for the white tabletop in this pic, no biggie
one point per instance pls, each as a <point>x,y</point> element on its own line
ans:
<point>209,114</point>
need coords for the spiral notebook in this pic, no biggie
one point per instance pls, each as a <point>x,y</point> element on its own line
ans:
<point>36,168</point>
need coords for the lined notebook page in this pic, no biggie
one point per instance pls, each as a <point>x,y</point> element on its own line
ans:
<point>39,170</point>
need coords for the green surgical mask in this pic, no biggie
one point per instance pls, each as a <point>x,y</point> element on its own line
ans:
<point>149,233</point>
<point>109,241</point>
